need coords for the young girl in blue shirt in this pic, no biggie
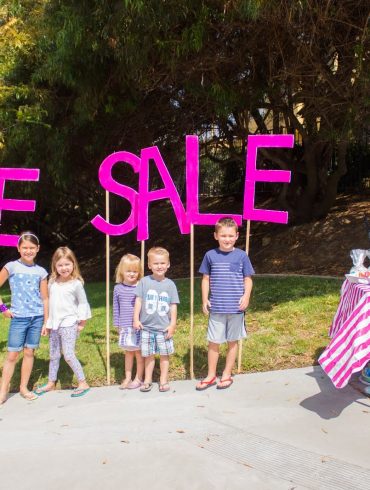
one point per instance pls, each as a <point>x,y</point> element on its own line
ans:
<point>27,313</point>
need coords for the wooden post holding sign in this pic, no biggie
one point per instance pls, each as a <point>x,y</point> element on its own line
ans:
<point>142,257</point>
<point>240,343</point>
<point>192,301</point>
<point>107,292</point>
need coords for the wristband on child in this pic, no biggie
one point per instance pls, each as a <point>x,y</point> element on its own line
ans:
<point>3,308</point>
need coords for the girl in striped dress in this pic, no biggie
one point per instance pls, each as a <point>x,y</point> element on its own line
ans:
<point>128,273</point>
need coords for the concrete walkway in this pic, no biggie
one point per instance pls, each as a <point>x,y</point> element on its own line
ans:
<point>277,430</point>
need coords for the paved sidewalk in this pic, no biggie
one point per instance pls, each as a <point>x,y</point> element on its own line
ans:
<point>277,430</point>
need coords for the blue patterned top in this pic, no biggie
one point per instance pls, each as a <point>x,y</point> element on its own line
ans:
<point>227,271</point>
<point>24,283</point>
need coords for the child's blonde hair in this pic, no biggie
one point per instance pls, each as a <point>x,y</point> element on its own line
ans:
<point>227,222</point>
<point>65,253</point>
<point>158,251</point>
<point>127,262</point>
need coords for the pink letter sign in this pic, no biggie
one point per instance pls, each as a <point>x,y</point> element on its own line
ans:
<point>26,174</point>
<point>168,192</point>
<point>252,175</point>
<point>108,183</point>
<point>192,184</point>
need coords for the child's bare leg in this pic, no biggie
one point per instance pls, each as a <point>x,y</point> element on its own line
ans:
<point>129,363</point>
<point>230,363</point>
<point>164,364</point>
<point>149,368</point>
<point>213,355</point>
<point>26,369</point>
<point>7,375</point>
<point>139,366</point>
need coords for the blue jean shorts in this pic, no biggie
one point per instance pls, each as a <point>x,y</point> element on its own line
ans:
<point>24,332</point>
<point>156,343</point>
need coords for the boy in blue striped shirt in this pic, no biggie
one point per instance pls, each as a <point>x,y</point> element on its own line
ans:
<point>226,289</point>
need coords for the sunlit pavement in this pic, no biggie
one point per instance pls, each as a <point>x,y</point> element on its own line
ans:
<point>286,429</point>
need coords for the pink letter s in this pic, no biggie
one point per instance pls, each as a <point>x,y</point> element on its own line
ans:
<point>109,184</point>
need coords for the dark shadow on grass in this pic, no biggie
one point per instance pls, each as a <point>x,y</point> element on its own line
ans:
<point>93,337</point>
<point>95,293</point>
<point>117,363</point>
<point>330,402</point>
<point>40,371</point>
<point>201,362</point>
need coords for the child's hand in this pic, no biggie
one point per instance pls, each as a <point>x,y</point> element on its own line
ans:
<point>243,302</point>
<point>206,306</point>
<point>137,325</point>
<point>8,314</point>
<point>44,331</point>
<point>170,331</point>
<point>81,325</point>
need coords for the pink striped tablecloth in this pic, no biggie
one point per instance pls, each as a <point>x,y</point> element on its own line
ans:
<point>349,349</point>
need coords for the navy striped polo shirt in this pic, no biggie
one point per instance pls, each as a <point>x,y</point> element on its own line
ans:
<point>227,271</point>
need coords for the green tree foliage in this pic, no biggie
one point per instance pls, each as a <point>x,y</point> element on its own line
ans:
<point>80,80</point>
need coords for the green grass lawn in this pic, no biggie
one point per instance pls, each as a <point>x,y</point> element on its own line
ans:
<point>287,323</point>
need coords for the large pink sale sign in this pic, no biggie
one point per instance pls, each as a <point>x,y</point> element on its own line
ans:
<point>141,198</point>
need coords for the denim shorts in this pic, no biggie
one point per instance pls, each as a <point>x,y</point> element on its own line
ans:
<point>24,332</point>
<point>224,327</point>
<point>156,343</point>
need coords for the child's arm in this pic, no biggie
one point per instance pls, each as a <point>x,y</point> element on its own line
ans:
<point>172,326</point>
<point>83,307</point>
<point>4,274</point>
<point>205,293</point>
<point>244,300</point>
<point>45,299</point>
<point>136,318</point>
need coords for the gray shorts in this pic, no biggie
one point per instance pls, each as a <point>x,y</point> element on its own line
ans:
<point>226,327</point>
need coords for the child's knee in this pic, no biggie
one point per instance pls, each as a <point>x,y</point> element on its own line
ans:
<point>12,357</point>
<point>27,352</point>
<point>55,356</point>
<point>70,358</point>
<point>213,346</point>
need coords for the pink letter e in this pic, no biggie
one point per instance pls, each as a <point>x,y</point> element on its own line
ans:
<point>252,175</point>
<point>27,174</point>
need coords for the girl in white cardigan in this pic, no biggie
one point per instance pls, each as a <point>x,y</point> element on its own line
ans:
<point>68,312</point>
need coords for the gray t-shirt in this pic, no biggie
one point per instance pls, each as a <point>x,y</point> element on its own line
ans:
<point>156,296</point>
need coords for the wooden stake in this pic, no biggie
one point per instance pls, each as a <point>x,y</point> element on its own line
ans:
<point>192,301</point>
<point>240,343</point>
<point>142,256</point>
<point>107,292</point>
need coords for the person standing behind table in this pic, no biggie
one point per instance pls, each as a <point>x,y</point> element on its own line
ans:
<point>226,290</point>
<point>155,314</point>
<point>68,313</point>
<point>27,313</point>
<point>128,274</point>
